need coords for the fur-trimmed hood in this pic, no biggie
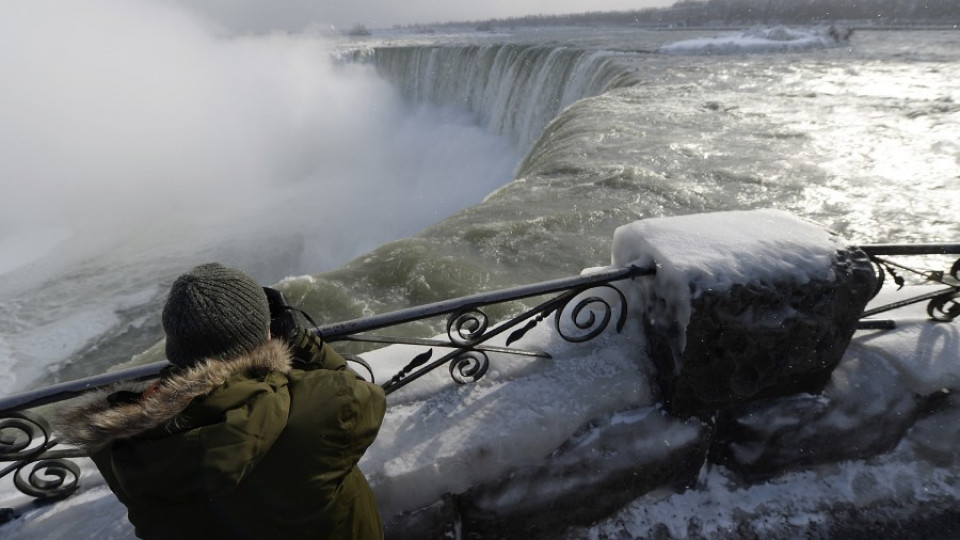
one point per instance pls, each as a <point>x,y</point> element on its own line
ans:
<point>95,422</point>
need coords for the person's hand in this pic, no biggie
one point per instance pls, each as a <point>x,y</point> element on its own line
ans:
<point>282,323</point>
<point>306,346</point>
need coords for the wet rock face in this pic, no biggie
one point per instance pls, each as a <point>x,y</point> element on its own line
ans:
<point>761,340</point>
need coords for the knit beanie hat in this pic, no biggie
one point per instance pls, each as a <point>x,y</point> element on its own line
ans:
<point>214,312</point>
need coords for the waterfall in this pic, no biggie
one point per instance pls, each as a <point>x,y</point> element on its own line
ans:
<point>514,90</point>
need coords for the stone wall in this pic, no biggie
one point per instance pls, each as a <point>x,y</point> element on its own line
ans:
<point>760,340</point>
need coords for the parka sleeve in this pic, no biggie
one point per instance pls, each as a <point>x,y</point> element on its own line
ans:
<point>312,352</point>
<point>330,359</point>
<point>335,414</point>
<point>372,405</point>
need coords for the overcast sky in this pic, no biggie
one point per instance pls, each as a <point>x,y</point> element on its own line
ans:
<point>260,15</point>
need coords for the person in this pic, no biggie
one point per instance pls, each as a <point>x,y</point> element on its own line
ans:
<point>243,436</point>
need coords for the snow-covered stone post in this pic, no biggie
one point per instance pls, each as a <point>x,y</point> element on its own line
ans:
<point>745,305</point>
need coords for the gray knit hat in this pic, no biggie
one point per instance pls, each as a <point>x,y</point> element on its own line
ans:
<point>214,312</point>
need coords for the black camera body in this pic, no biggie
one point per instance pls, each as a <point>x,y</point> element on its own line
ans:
<point>283,325</point>
<point>305,346</point>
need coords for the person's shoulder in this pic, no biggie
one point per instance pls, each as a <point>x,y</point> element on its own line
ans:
<point>322,378</point>
<point>329,383</point>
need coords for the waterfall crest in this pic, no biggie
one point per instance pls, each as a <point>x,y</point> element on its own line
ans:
<point>514,90</point>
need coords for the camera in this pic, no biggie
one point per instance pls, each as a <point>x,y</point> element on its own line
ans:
<point>283,325</point>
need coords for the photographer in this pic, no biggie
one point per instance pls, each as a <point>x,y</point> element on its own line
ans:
<point>244,436</point>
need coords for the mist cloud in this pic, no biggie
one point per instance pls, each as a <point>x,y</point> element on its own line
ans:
<point>131,107</point>
<point>119,113</point>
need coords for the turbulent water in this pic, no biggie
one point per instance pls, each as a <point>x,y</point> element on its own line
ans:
<point>598,129</point>
<point>861,139</point>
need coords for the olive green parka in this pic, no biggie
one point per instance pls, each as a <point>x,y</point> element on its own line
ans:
<point>244,448</point>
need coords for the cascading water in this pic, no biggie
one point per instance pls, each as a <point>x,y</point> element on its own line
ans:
<point>514,90</point>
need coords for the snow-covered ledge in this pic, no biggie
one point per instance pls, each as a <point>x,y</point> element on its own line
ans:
<point>744,305</point>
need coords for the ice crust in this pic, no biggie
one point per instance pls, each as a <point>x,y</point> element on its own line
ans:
<point>712,252</point>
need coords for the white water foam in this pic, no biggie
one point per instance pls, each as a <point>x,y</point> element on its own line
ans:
<point>761,40</point>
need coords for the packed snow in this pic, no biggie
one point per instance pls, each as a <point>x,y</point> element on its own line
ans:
<point>703,252</point>
<point>440,437</point>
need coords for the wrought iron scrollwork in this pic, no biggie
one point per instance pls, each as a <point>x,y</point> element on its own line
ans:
<point>944,308</point>
<point>23,434</point>
<point>943,305</point>
<point>577,319</point>
<point>48,479</point>
<point>582,316</point>
<point>469,366</point>
<point>589,324</point>
<point>883,270</point>
<point>25,439</point>
<point>466,326</point>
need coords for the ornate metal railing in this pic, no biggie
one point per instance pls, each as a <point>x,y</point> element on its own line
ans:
<point>944,303</point>
<point>27,442</point>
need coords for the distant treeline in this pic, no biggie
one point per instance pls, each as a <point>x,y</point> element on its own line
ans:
<point>745,12</point>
